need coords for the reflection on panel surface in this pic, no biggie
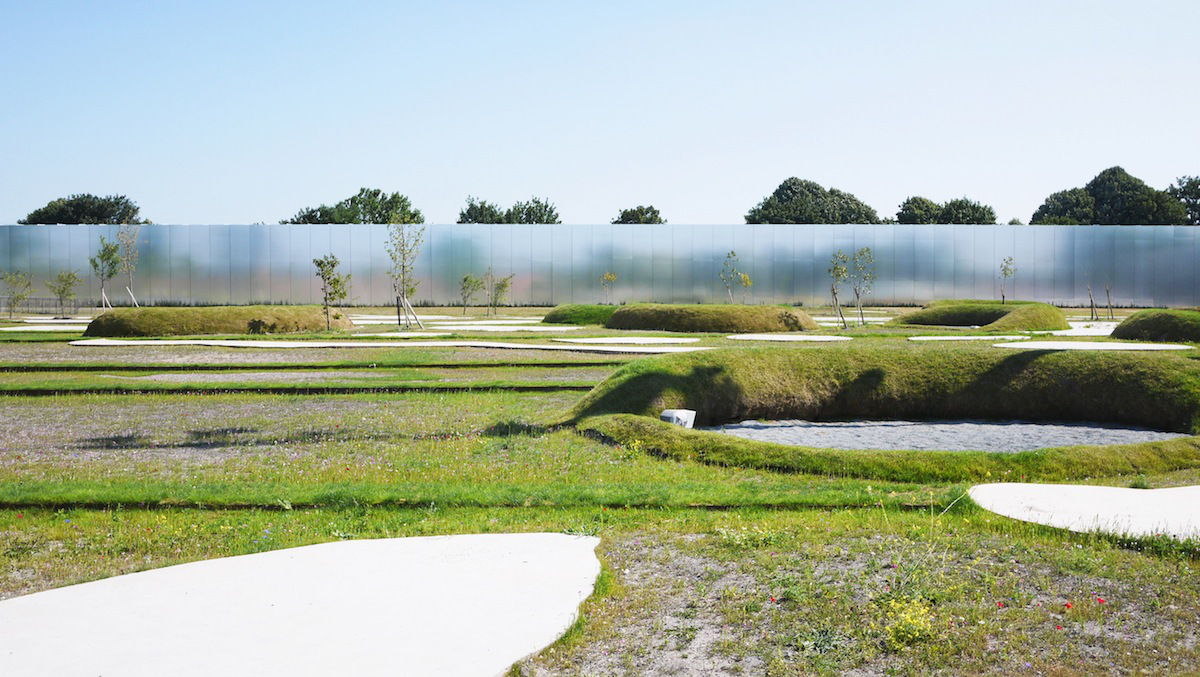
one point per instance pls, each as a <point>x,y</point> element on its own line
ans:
<point>666,263</point>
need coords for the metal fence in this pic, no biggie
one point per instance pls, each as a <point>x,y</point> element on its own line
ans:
<point>551,264</point>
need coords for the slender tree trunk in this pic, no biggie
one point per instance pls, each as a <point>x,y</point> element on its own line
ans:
<point>1108,294</point>
<point>1003,297</point>
<point>858,304</point>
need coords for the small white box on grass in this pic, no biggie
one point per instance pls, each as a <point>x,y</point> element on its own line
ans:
<point>683,417</point>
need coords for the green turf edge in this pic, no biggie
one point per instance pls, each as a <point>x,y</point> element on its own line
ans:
<point>710,318</point>
<point>203,320</point>
<point>1159,324</point>
<point>1048,465</point>
<point>579,313</point>
<point>988,316</point>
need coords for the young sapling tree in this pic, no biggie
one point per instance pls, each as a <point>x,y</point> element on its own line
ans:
<point>404,243</point>
<point>105,265</point>
<point>335,287</point>
<point>730,273</point>
<point>497,290</point>
<point>19,285</point>
<point>127,236</point>
<point>838,272</point>
<point>468,288</point>
<point>862,279</point>
<point>63,289</point>
<point>1007,270</point>
<point>606,285</point>
<point>743,280</point>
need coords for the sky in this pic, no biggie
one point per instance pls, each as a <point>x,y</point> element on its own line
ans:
<point>244,112</point>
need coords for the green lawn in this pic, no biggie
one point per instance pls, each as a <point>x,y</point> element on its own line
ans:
<point>718,555</point>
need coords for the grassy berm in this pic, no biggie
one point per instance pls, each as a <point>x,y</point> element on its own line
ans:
<point>579,313</point>
<point>213,320</point>
<point>988,315</point>
<point>1158,324</point>
<point>888,382</point>
<point>714,318</point>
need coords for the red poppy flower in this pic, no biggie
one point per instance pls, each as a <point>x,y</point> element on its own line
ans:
<point>1069,606</point>
<point>1101,600</point>
<point>1000,604</point>
<point>1058,627</point>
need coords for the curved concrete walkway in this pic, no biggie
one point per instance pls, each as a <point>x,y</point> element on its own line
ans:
<point>443,605</point>
<point>1173,512</point>
<point>816,338</point>
<point>349,343</point>
<point>1090,345</point>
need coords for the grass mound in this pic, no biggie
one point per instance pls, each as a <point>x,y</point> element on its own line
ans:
<point>886,382</point>
<point>710,318</point>
<point>989,315</point>
<point>1161,325</point>
<point>212,320</point>
<point>891,382</point>
<point>579,313</point>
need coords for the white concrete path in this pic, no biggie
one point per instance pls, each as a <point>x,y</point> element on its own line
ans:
<point>1172,512</point>
<point>628,340</point>
<point>967,338</point>
<point>407,334</point>
<point>392,318</point>
<point>484,323</point>
<point>46,327</point>
<point>1087,328</point>
<point>49,320</point>
<point>443,605</point>
<point>349,343</point>
<point>813,338</point>
<point>505,328</point>
<point>1089,345</point>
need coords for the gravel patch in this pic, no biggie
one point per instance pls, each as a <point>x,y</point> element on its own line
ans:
<point>1002,436</point>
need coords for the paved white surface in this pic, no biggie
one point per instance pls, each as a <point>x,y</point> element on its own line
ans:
<point>813,338</point>
<point>371,319</point>
<point>484,323</point>
<point>1090,345</point>
<point>967,338</point>
<point>49,320</point>
<point>46,327</point>
<point>443,605</point>
<point>1085,329</point>
<point>505,328</point>
<point>1173,512</point>
<point>851,319</point>
<point>349,343</point>
<point>407,334</point>
<point>998,436</point>
<point>628,340</point>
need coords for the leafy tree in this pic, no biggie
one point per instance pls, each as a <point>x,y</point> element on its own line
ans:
<point>63,289</point>
<point>480,211</point>
<point>729,273</point>
<point>1186,189</point>
<point>369,205</point>
<point>862,279</point>
<point>20,286</point>
<point>535,210</point>
<point>497,290</point>
<point>105,265</point>
<point>1114,197</point>
<point>606,284</point>
<point>127,236</point>
<point>966,211</point>
<point>404,243</point>
<point>797,201</point>
<point>640,214</point>
<point>1015,222</point>
<point>335,287</point>
<point>1007,270</point>
<point>86,208</point>
<point>468,288</point>
<point>838,271</point>
<point>919,210</point>
<point>744,280</point>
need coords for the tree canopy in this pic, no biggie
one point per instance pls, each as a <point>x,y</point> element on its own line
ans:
<point>1114,197</point>
<point>370,205</point>
<point>962,210</point>
<point>1186,189</point>
<point>799,201</point>
<point>640,214</point>
<point>86,208</point>
<point>480,211</point>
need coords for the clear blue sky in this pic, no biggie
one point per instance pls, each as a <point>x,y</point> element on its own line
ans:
<point>237,112</point>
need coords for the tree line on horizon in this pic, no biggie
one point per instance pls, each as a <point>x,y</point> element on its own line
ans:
<point>1113,197</point>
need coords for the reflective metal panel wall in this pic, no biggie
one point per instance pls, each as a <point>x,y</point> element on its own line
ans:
<point>550,264</point>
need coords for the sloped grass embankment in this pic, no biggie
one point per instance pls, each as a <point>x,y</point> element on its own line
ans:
<point>1156,391</point>
<point>1157,324</point>
<point>710,318</point>
<point>988,316</point>
<point>195,321</point>
<point>579,313</point>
